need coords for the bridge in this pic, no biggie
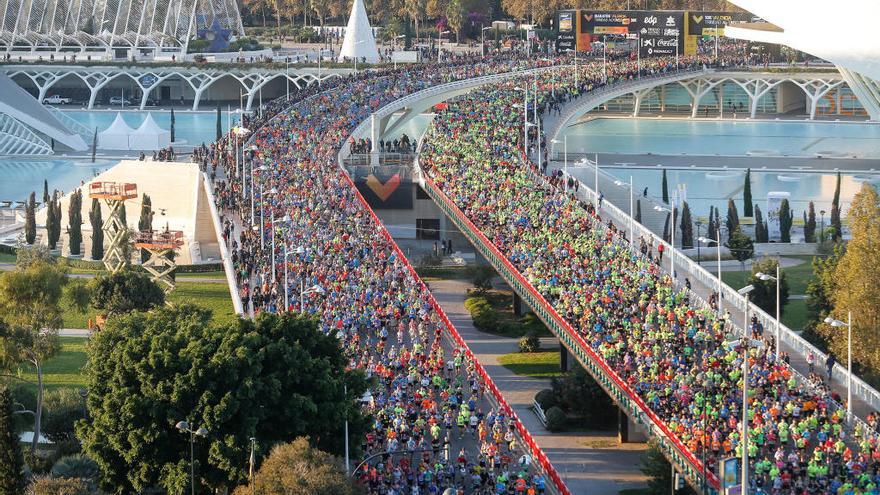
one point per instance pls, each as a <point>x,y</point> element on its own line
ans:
<point>865,398</point>
<point>248,81</point>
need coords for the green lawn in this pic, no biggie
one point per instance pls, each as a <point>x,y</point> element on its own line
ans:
<point>211,275</point>
<point>7,258</point>
<point>212,296</point>
<point>65,369</point>
<point>542,364</point>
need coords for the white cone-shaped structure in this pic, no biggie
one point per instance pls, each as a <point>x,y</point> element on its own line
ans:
<point>359,42</point>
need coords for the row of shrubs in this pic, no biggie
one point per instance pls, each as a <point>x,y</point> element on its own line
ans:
<point>576,399</point>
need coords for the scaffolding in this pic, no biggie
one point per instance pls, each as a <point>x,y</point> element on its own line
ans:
<point>161,245</point>
<point>114,195</point>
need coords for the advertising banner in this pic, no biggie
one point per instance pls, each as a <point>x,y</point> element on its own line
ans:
<point>565,29</point>
<point>713,23</point>
<point>661,34</point>
<point>385,187</point>
<point>599,22</point>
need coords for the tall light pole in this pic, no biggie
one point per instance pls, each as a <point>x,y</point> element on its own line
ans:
<point>483,40</point>
<point>621,183</point>
<point>671,211</point>
<point>604,63</point>
<point>565,158</point>
<point>822,229</point>
<point>287,76</point>
<point>525,109</point>
<point>765,277</point>
<point>285,220</point>
<point>745,398</point>
<point>717,242</point>
<point>183,426</point>
<point>837,324</point>
<point>439,40</point>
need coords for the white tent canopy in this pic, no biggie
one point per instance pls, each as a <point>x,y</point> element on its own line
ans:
<point>149,136</point>
<point>359,42</point>
<point>116,136</point>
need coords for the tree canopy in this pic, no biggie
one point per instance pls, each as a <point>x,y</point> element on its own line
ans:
<point>125,291</point>
<point>297,468</point>
<point>274,379</point>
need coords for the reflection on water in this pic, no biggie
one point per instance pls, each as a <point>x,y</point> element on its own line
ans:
<point>714,188</point>
<point>19,177</point>
<point>193,127</point>
<point>710,137</point>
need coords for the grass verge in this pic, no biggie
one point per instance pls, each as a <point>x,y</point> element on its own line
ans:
<point>541,364</point>
<point>65,369</point>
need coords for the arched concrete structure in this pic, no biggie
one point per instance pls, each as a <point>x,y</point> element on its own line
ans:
<point>147,79</point>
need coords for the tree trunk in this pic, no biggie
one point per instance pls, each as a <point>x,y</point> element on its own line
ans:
<point>38,414</point>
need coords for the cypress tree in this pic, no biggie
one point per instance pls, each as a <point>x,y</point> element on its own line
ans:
<point>11,463</point>
<point>732,216</point>
<point>759,225</point>
<point>810,224</point>
<point>51,221</point>
<point>666,227</point>
<point>836,200</point>
<point>172,124</point>
<point>710,227</point>
<point>30,219</point>
<point>97,232</point>
<point>747,194</point>
<point>45,191</point>
<point>55,234</point>
<point>785,219</point>
<point>836,226</point>
<point>145,222</point>
<point>219,124</point>
<point>687,227</point>
<point>718,225</point>
<point>123,216</point>
<point>74,221</point>
<point>639,210</point>
<point>94,144</point>
<point>665,187</point>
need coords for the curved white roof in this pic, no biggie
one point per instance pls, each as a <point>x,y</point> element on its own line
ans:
<point>24,108</point>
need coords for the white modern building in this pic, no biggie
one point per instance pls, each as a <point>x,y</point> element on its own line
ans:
<point>144,26</point>
<point>359,42</point>
<point>843,32</point>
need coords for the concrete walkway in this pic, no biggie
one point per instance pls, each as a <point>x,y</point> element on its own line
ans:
<point>589,462</point>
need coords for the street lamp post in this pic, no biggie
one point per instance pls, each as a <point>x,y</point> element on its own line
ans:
<point>620,183</point>
<point>671,211</point>
<point>765,277</point>
<point>483,41</point>
<point>745,398</point>
<point>565,159</point>
<point>822,230</point>
<point>837,324</point>
<point>439,40</point>
<point>184,427</point>
<point>604,63</point>
<point>717,242</point>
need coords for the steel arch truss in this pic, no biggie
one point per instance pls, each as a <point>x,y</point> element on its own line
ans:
<point>32,24</point>
<point>17,139</point>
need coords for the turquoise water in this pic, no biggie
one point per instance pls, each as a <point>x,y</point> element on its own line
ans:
<point>193,127</point>
<point>714,188</point>
<point>20,177</point>
<point>710,137</point>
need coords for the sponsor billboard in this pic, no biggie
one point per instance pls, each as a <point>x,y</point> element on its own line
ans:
<point>661,34</point>
<point>386,187</point>
<point>599,22</point>
<point>713,23</point>
<point>565,29</point>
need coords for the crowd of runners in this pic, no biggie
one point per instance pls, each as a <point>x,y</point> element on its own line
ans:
<point>680,357</point>
<point>313,245</point>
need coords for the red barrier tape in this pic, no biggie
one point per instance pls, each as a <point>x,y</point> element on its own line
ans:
<point>713,480</point>
<point>536,451</point>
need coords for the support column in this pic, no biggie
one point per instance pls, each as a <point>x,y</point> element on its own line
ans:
<point>517,305</point>
<point>374,138</point>
<point>628,431</point>
<point>565,359</point>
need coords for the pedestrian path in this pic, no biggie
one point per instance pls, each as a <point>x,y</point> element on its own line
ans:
<point>589,462</point>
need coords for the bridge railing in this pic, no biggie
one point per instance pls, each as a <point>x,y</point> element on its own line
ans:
<point>543,462</point>
<point>614,385</point>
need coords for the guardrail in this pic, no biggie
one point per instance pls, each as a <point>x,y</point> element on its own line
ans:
<point>536,452</point>
<point>539,412</point>
<point>860,388</point>
<point>685,462</point>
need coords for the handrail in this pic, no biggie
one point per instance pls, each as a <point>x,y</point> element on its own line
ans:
<point>692,467</point>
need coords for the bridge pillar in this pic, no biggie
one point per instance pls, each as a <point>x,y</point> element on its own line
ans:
<point>374,138</point>
<point>628,431</point>
<point>518,305</point>
<point>565,358</point>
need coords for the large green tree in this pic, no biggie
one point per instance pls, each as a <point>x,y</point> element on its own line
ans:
<point>297,468</point>
<point>125,291</point>
<point>740,245</point>
<point>857,277</point>
<point>687,227</point>
<point>274,379</point>
<point>786,217</point>
<point>31,304</point>
<point>11,465</point>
